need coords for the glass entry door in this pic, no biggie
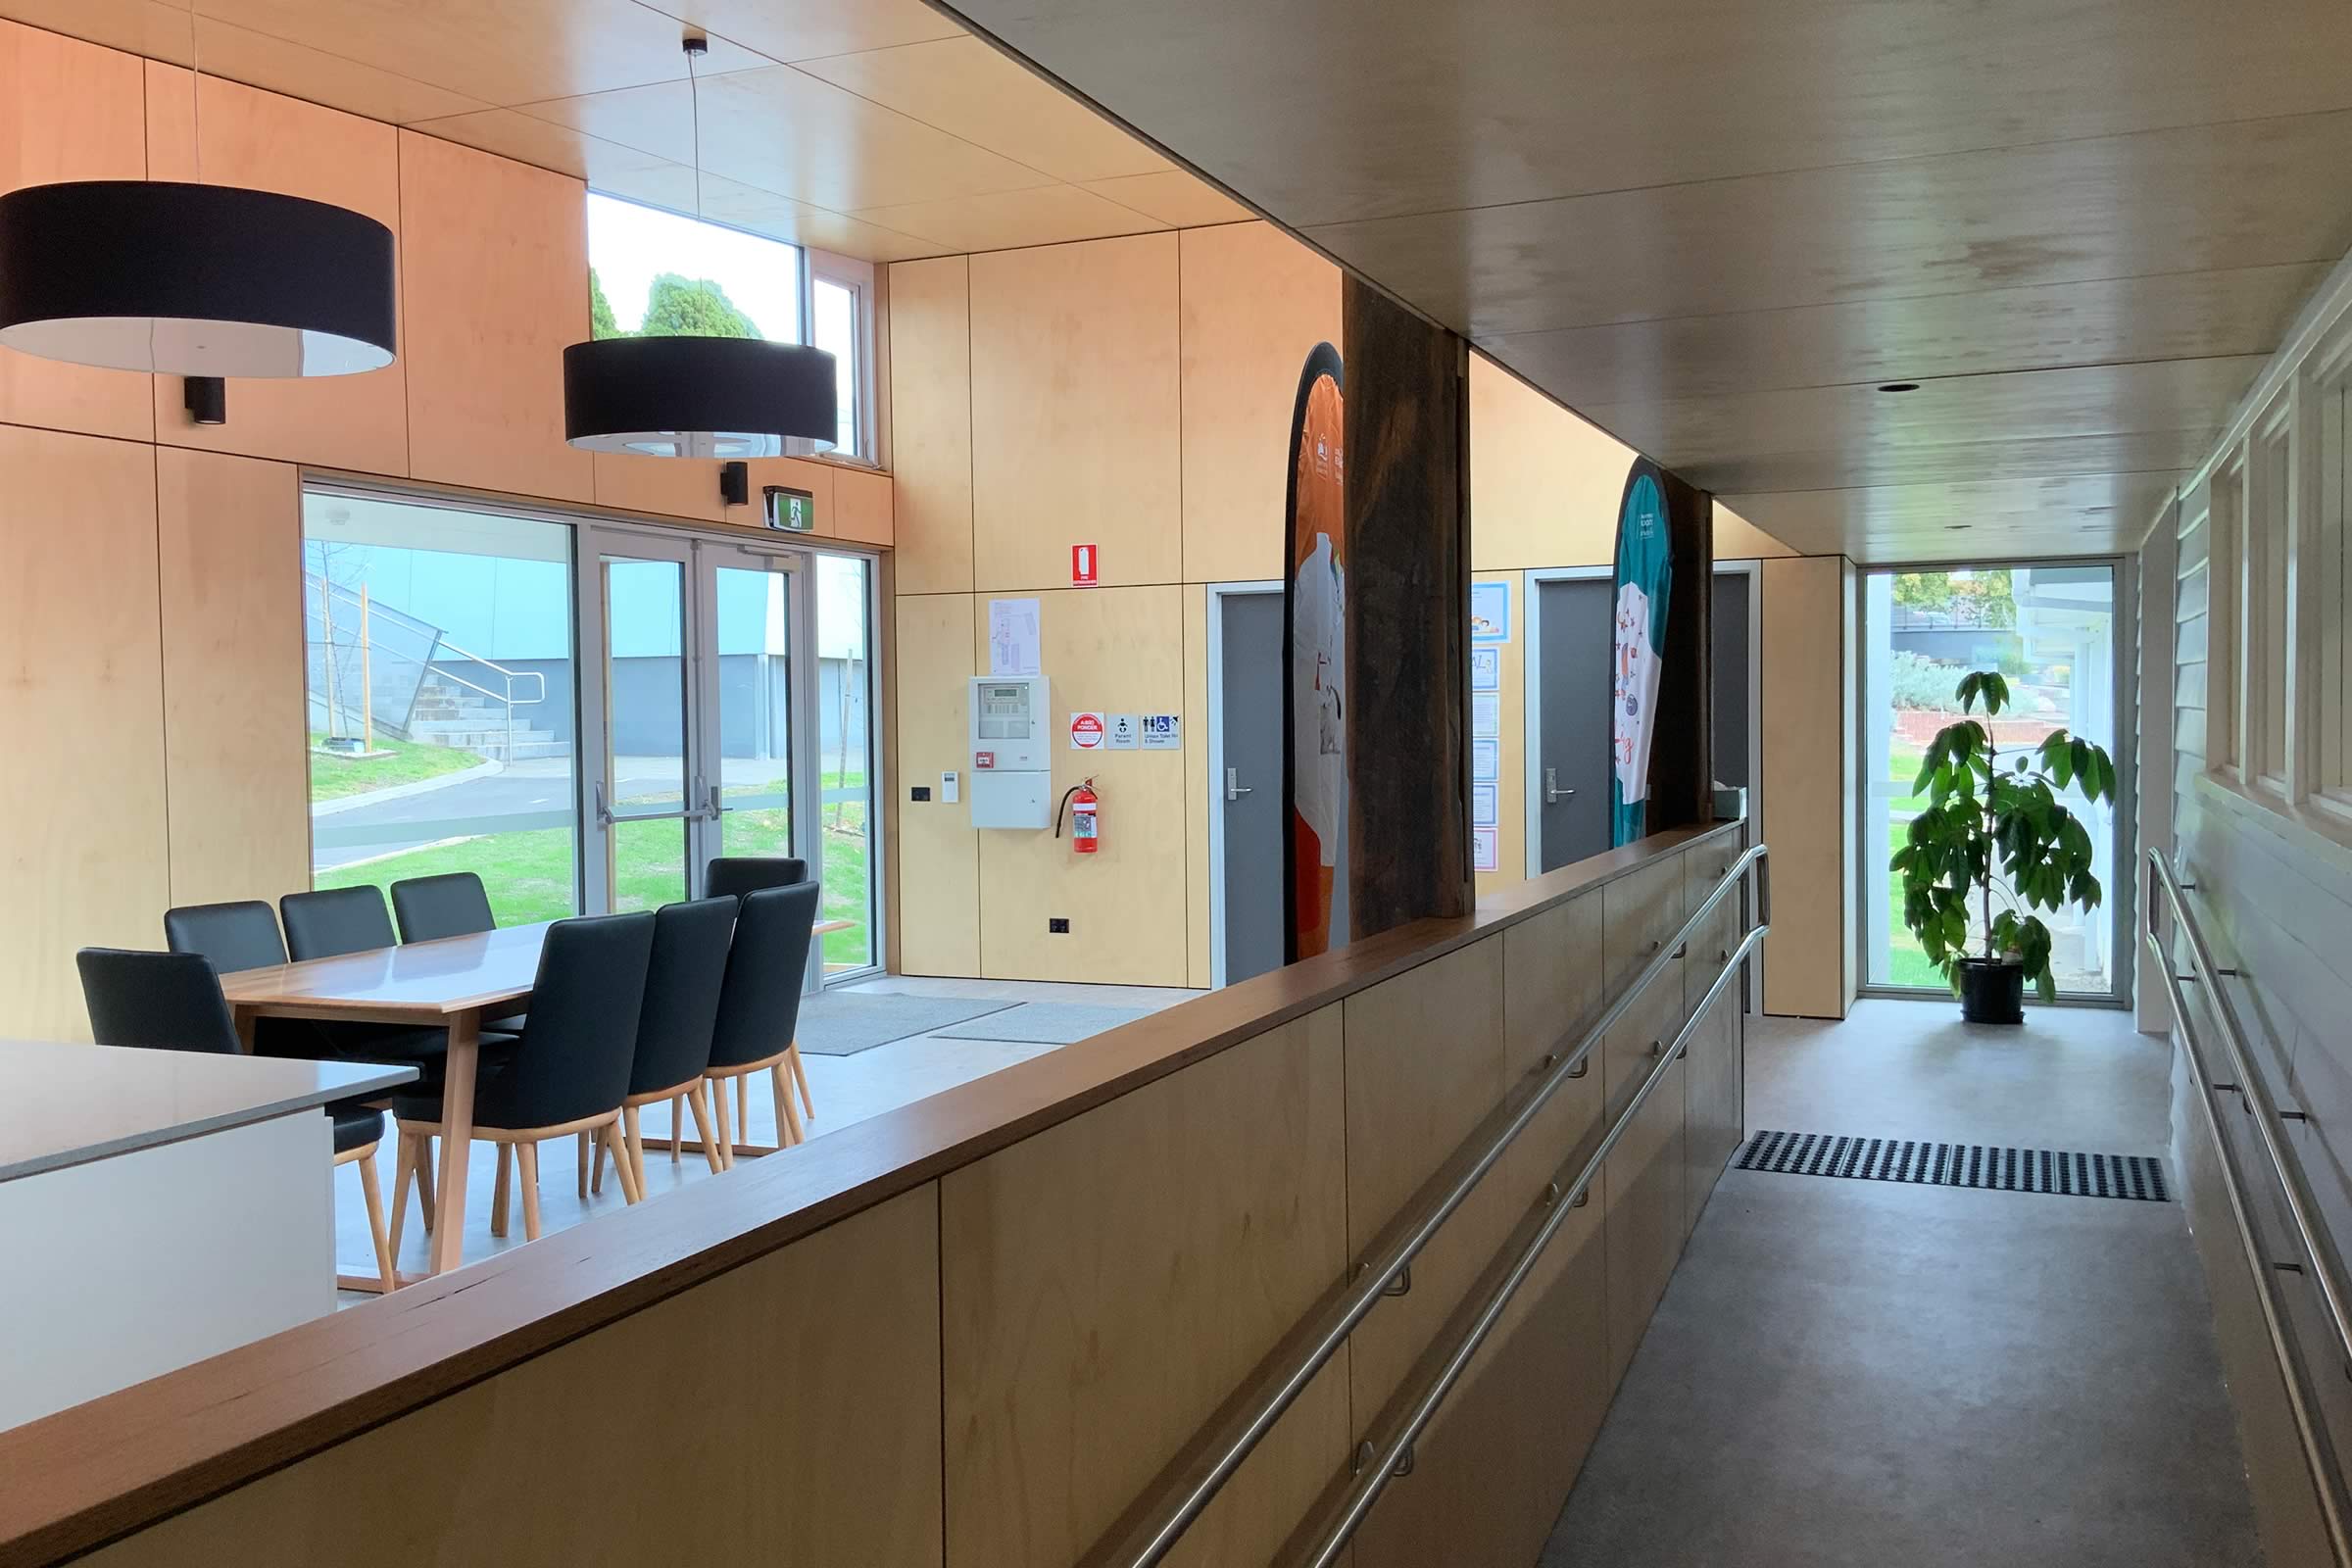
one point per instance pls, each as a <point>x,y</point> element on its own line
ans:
<point>687,708</point>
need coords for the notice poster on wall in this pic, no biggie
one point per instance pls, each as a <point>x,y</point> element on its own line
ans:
<point>1486,853</point>
<point>1486,669</point>
<point>1489,612</point>
<point>1012,637</point>
<point>1644,581</point>
<point>1314,707</point>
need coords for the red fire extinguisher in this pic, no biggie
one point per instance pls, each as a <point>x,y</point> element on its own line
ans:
<point>1081,800</point>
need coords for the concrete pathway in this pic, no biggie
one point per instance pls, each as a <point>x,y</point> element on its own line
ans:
<point>1851,1374</point>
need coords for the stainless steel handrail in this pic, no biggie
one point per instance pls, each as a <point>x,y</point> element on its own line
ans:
<point>2320,1264</point>
<point>1148,1533</point>
<point>430,663</point>
<point>1391,1452</point>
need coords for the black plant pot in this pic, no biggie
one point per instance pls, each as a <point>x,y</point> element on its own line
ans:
<point>1993,991</point>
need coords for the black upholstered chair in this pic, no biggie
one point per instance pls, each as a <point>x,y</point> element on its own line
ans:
<point>742,874</point>
<point>235,936</point>
<point>173,1001</point>
<point>244,935</point>
<point>333,922</point>
<point>453,904</point>
<point>732,877</point>
<point>569,1073</point>
<point>675,1025</point>
<point>760,1006</point>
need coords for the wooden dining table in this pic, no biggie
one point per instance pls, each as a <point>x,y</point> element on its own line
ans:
<point>451,983</point>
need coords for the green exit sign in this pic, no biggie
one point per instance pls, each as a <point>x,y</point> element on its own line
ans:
<point>793,511</point>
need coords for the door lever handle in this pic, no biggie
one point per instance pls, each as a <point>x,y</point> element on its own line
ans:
<point>1553,793</point>
<point>1235,789</point>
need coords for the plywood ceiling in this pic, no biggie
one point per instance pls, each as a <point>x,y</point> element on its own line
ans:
<point>879,128</point>
<point>1717,228</point>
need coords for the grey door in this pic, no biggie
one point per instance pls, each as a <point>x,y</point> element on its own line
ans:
<point>1572,763</point>
<point>1728,627</point>
<point>1251,791</point>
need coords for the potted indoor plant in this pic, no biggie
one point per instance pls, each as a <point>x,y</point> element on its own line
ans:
<point>1979,810</point>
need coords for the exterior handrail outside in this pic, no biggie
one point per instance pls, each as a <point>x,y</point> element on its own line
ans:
<point>507,697</point>
<point>1192,1480</point>
<point>1391,1452</point>
<point>2321,1264</point>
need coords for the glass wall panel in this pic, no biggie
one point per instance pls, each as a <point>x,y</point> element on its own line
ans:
<point>2050,630</point>
<point>440,648</point>
<point>845,677</point>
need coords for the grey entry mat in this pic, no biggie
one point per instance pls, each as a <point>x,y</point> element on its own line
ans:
<point>1046,1023</point>
<point>843,1024</point>
<point>1989,1166</point>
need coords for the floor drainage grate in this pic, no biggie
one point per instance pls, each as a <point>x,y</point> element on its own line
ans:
<point>1985,1166</point>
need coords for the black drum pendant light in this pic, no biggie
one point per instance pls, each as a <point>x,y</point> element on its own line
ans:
<point>699,397</point>
<point>194,279</point>
<point>188,279</point>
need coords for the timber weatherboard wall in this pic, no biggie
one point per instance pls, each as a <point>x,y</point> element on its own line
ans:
<point>151,623</point>
<point>2270,862</point>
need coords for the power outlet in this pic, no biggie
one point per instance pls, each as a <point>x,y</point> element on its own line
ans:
<point>1057,926</point>
<point>922,791</point>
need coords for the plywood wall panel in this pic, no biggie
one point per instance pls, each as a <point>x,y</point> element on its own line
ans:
<point>70,110</point>
<point>862,507</point>
<point>1252,303</point>
<point>235,729</point>
<point>1107,650</point>
<point>268,142</point>
<point>1543,484</point>
<point>1109,1281</point>
<point>1425,1062</point>
<point>494,285</point>
<point>931,422</point>
<point>1075,413</point>
<point>1803,807</point>
<point>665,487</point>
<point>937,913</point>
<point>83,842</point>
<point>795,1401</point>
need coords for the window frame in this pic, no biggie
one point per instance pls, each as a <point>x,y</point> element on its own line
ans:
<point>858,279</point>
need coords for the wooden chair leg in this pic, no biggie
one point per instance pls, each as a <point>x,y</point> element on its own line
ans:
<point>596,1182</point>
<point>632,1138</point>
<point>677,1128</point>
<point>426,1207</point>
<point>719,1103</point>
<point>583,1142</point>
<point>498,1193</point>
<point>371,1190</point>
<point>526,1157</point>
<point>800,1075</point>
<point>699,1097</point>
<point>788,1115</point>
<point>743,1107</point>
<point>620,1163</point>
<point>404,1170</point>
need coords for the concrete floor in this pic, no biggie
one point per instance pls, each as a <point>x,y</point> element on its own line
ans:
<point>1853,1373</point>
<point>845,1088</point>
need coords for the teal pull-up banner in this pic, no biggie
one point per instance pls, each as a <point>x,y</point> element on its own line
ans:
<point>1644,580</point>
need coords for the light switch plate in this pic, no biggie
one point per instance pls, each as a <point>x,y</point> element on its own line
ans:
<point>950,787</point>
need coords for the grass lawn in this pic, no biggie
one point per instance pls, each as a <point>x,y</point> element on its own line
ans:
<point>1906,962</point>
<point>529,874</point>
<point>332,776</point>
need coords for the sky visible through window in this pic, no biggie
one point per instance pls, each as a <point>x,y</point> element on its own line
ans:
<point>630,247</point>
